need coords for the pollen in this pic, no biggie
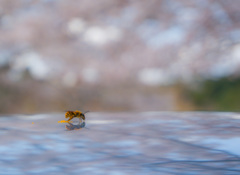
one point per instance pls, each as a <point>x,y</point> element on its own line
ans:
<point>64,121</point>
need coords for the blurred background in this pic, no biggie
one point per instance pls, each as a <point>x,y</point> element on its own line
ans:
<point>119,55</point>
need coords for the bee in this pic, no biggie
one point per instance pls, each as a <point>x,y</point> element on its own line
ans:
<point>73,114</point>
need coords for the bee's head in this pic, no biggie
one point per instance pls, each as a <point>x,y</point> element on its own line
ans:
<point>83,115</point>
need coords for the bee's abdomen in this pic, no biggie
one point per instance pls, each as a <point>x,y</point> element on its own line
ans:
<point>69,114</point>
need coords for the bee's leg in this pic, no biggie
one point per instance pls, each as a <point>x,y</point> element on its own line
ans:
<point>70,118</point>
<point>80,120</point>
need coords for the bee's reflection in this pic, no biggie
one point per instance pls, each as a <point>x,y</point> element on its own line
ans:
<point>71,126</point>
